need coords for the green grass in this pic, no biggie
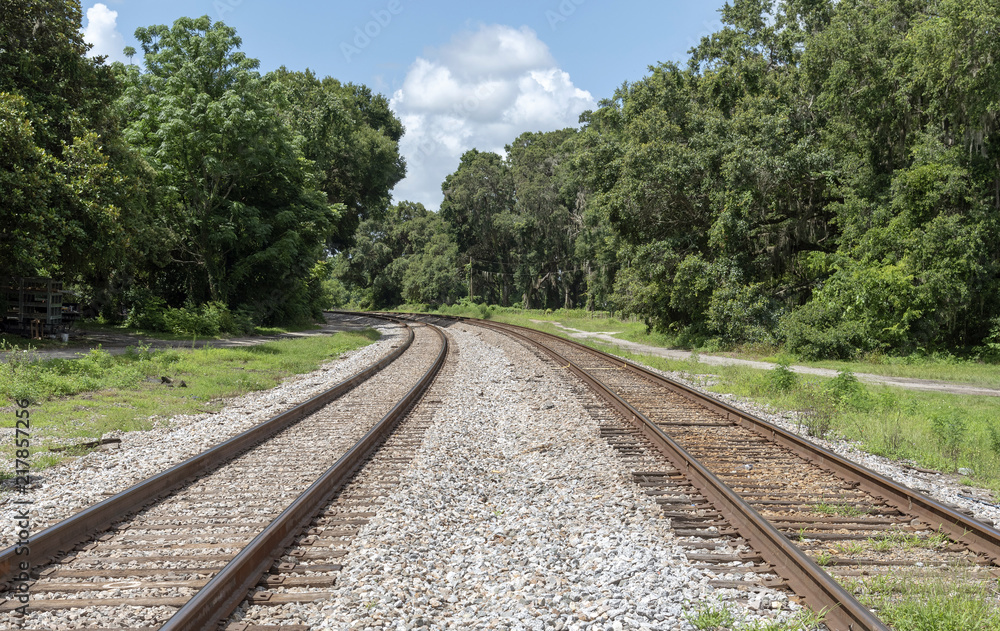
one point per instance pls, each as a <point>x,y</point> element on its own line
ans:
<point>712,617</point>
<point>940,366</point>
<point>721,618</point>
<point>80,400</point>
<point>804,621</point>
<point>850,548</point>
<point>897,540</point>
<point>94,326</point>
<point>952,605</point>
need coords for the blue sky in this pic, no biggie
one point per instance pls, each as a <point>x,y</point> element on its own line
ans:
<point>460,75</point>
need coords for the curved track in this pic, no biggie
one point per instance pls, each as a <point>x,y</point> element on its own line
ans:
<point>734,474</point>
<point>186,560</point>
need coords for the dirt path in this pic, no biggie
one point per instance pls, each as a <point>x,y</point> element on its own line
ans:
<point>716,360</point>
<point>115,342</point>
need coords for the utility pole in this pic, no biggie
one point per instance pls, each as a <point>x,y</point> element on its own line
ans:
<point>470,279</point>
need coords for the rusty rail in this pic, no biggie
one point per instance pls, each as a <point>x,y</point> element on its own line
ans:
<point>227,589</point>
<point>67,534</point>
<point>978,537</point>
<point>817,588</point>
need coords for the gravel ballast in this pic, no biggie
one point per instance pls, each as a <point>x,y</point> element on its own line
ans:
<point>514,514</point>
<point>942,487</point>
<point>59,492</point>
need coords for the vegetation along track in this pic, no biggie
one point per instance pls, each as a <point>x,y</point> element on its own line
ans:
<point>809,516</point>
<point>186,560</point>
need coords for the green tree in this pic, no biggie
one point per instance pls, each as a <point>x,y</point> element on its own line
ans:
<point>74,195</point>
<point>478,206</point>
<point>546,219</point>
<point>244,217</point>
<point>406,255</point>
<point>352,137</point>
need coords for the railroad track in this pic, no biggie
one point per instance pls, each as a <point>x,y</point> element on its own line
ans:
<point>764,507</point>
<point>307,572</point>
<point>183,549</point>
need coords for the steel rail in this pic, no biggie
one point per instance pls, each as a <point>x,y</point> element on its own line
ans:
<point>72,531</point>
<point>227,589</point>
<point>975,535</point>
<point>820,591</point>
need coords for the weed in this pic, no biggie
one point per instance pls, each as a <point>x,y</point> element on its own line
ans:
<point>824,559</point>
<point>994,439</point>
<point>844,384</point>
<point>842,510</point>
<point>950,427</point>
<point>895,539</point>
<point>891,441</point>
<point>802,621</point>
<point>941,605</point>
<point>712,617</point>
<point>782,378</point>
<point>819,412</point>
<point>850,548</point>
<point>881,544</point>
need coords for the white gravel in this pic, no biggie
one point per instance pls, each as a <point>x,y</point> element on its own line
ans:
<point>63,490</point>
<point>515,514</point>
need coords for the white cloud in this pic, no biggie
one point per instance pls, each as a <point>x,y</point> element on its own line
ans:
<point>480,91</point>
<point>102,32</point>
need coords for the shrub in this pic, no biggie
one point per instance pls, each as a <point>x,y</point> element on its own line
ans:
<point>819,412</point>
<point>994,438</point>
<point>147,313</point>
<point>187,321</point>
<point>742,313</point>
<point>847,391</point>
<point>208,320</point>
<point>950,427</point>
<point>818,331</point>
<point>782,379</point>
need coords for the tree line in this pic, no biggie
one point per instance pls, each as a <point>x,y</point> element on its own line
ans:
<point>192,180</point>
<point>819,174</point>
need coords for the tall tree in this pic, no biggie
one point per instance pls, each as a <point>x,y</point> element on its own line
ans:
<point>478,206</point>
<point>241,205</point>
<point>352,137</point>
<point>405,255</point>
<point>546,222</point>
<point>74,194</point>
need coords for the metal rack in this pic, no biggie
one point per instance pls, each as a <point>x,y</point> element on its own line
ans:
<point>32,305</point>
